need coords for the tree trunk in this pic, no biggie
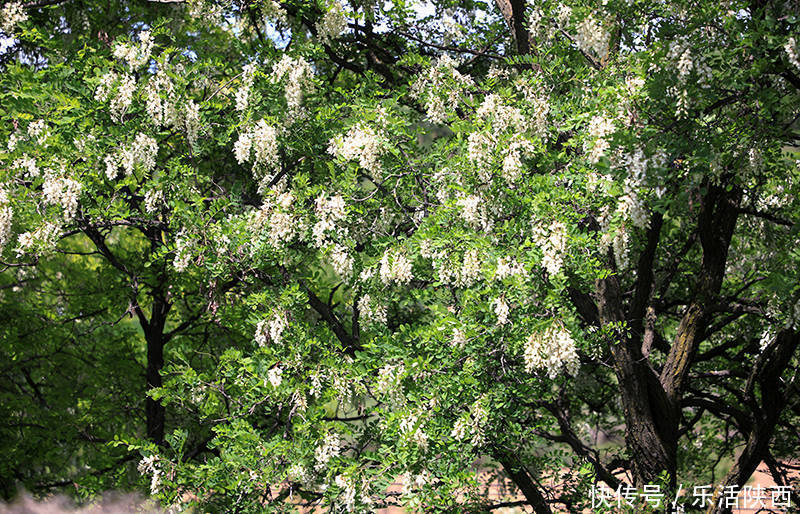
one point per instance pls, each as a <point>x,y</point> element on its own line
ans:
<point>525,484</point>
<point>154,335</point>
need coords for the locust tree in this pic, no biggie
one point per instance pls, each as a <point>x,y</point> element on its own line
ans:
<point>351,243</point>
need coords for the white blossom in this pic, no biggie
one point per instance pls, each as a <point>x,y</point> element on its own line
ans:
<point>28,164</point>
<point>342,262</point>
<point>330,448</point>
<point>43,239</point>
<point>552,242</point>
<point>160,100</point>
<point>6,216</point>
<point>395,267</point>
<point>13,140</point>
<point>501,310</point>
<point>62,191</point>
<point>361,143</point>
<point>332,23</point>
<point>593,38</point>
<point>370,311</point>
<point>151,465</point>
<point>791,52</point>
<point>136,55</point>
<point>242,95</point>
<point>600,128</point>
<point>38,130</point>
<point>183,254</point>
<point>12,15</point>
<point>508,267</point>
<point>275,376</point>
<point>411,430</point>
<point>552,350</point>
<point>298,76</point>
<point>153,199</point>
<point>441,88</point>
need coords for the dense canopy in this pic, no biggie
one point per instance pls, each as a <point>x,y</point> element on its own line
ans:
<point>257,254</point>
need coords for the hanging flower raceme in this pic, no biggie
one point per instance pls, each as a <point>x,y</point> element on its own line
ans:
<point>361,143</point>
<point>551,350</point>
<point>298,76</point>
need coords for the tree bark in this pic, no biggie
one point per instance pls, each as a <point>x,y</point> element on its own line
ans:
<point>526,485</point>
<point>513,12</point>
<point>155,338</point>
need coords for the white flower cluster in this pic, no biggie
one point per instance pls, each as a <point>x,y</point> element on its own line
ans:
<point>441,88</point>
<point>123,85</point>
<point>388,382</point>
<point>342,261</point>
<point>332,23</point>
<point>272,10</point>
<point>553,243</point>
<point>275,376</point>
<point>348,495</point>
<point>62,191</point>
<point>685,61</point>
<point>411,430</point>
<point>329,212</point>
<point>191,121</point>
<point>242,95</point>
<point>600,128</point>
<point>411,482</point>
<point>142,152</point>
<point>43,239</point>
<point>38,130</point>
<point>593,38</point>
<point>259,143</point>
<point>28,164</point>
<point>618,241</point>
<point>299,79</point>
<point>631,207</point>
<point>183,252</point>
<point>512,162</point>
<point>12,15</point>
<point>791,52</point>
<point>501,310</point>
<point>210,14</point>
<point>371,312</point>
<point>552,350</point>
<point>472,425</point>
<point>13,140</point>
<point>160,100</point>
<point>151,466</point>
<point>272,329</point>
<point>508,267</point>
<point>502,116</point>
<point>6,216</point>
<point>135,55</point>
<point>277,217</point>
<point>361,143</point>
<point>472,210</point>
<point>480,150</point>
<point>330,448</point>
<point>153,200</point>
<point>299,474</point>
<point>395,267</point>
<point>465,275</point>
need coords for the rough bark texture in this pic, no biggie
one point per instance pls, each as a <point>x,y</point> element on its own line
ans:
<point>514,13</point>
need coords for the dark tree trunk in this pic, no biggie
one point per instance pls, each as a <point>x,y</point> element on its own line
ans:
<point>154,335</point>
<point>523,481</point>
